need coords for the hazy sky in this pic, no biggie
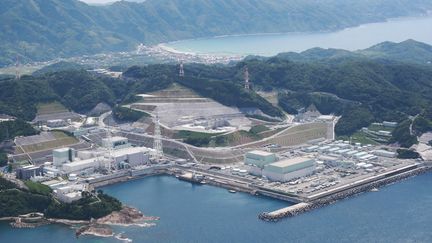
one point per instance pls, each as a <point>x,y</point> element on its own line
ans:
<point>98,1</point>
<point>106,1</point>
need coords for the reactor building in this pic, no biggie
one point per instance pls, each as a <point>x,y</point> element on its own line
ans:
<point>266,164</point>
<point>288,169</point>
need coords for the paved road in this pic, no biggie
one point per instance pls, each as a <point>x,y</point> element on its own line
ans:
<point>102,118</point>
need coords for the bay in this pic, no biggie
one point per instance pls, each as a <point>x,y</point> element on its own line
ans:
<point>361,37</point>
<point>192,213</point>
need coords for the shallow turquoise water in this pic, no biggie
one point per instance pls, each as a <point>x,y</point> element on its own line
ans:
<point>355,38</point>
<point>398,213</point>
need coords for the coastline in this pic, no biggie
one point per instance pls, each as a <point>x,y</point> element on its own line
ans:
<point>167,46</point>
<point>124,237</point>
<point>126,217</point>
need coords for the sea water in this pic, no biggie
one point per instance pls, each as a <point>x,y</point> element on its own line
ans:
<point>355,38</point>
<point>401,212</point>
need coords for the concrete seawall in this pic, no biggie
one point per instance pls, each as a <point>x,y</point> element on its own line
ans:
<point>332,198</point>
<point>127,176</point>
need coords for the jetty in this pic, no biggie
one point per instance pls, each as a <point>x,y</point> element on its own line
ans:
<point>285,212</point>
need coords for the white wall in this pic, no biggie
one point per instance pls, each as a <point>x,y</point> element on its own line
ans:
<point>289,176</point>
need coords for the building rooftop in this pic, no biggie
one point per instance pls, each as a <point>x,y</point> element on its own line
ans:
<point>30,167</point>
<point>61,150</point>
<point>290,162</point>
<point>261,153</point>
<point>84,162</point>
<point>326,117</point>
<point>117,138</point>
<point>130,150</point>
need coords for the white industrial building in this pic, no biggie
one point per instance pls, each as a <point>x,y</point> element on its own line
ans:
<point>62,156</point>
<point>385,153</point>
<point>81,165</point>
<point>133,156</point>
<point>256,161</point>
<point>390,124</point>
<point>124,157</point>
<point>70,193</point>
<point>288,169</point>
<point>311,149</point>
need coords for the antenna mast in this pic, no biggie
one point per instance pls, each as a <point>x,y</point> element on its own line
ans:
<point>17,69</point>
<point>181,71</point>
<point>246,78</point>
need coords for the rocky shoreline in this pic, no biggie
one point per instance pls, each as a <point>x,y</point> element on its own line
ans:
<point>266,216</point>
<point>127,216</point>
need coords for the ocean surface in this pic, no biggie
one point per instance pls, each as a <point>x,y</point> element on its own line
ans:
<point>355,38</point>
<point>400,212</point>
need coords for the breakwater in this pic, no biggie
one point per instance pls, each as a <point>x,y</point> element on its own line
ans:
<point>332,198</point>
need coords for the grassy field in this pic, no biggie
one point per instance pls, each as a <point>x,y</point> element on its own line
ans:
<point>19,164</point>
<point>61,140</point>
<point>365,138</point>
<point>377,128</point>
<point>176,91</point>
<point>50,108</point>
<point>361,137</point>
<point>198,139</point>
<point>38,188</point>
<point>237,138</point>
<point>259,129</point>
<point>232,139</point>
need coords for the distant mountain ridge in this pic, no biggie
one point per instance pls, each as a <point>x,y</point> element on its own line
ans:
<point>46,29</point>
<point>410,51</point>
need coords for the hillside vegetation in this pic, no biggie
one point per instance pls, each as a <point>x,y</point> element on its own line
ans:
<point>47,29</point>
<point>226,92</point>
<point>124,114</point>
<point>76,90</point>
<point>410,51</point>
<point>15,201</point>
<point>361,90</point>
<point>12,129</point>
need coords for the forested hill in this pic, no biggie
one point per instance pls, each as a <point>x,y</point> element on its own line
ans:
<point>81,91</point>
<point>77,90</point>
<point>46,29</point>
<point>360,90</point>
<point>410,51</point>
